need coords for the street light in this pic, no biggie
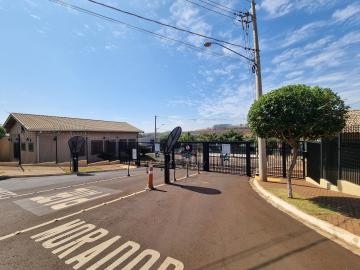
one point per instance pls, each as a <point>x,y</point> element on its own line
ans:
<point>257,70</point>
<point>208,44</point>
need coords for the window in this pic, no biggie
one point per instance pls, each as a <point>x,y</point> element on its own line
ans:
<point>82,150</point>
<point>110,147</point>
<point>96,147</point>
<point>132,143</point>
<point>23,146</point>
<point>31,147</point>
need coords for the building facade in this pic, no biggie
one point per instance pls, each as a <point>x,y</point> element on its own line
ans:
<point>43,138</point>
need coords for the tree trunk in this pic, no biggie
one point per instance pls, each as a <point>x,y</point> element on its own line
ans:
<point>291,168</point>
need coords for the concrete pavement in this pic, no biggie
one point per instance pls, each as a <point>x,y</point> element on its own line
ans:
<point>211,221</point>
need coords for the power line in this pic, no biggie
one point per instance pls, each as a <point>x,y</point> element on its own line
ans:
<point>168,25</point>
<point>220,6</point>
<point>98,15</point>
<point>212,10</point>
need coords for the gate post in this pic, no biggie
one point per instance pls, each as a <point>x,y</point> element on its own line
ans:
<point>206,156</point>
<point>304,156</point>
<point>283,153</point>
<point>248,159</point>
<point>167,169</point>
<point>173,158</point>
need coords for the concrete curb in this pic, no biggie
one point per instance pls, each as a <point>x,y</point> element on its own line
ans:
<point>5,177</point>
<point>334,233</point>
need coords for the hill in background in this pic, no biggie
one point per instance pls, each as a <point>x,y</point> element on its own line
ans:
<point>216,129</point>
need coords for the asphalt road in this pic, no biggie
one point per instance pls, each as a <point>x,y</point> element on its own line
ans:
<point>108,221</point>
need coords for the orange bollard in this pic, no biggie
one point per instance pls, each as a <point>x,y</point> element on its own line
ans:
<point>151,177</point>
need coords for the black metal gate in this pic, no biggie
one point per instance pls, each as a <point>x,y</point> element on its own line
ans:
<point>224,157</point>
<point>236,162</point>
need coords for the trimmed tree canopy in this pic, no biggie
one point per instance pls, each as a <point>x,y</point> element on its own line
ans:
<point>2,132</point>
<point>297,112</point>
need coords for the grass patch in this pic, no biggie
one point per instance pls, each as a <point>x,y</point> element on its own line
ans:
<point>303,203</point>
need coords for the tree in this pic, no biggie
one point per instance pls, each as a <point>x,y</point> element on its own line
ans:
<point>2,132</point>
<point>163,137</point>
<point>208,137</point>
<point>231,136</point>
<point>296,112</point>
<point>187,137</point>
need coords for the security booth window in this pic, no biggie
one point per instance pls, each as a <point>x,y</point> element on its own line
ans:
<point>82,150</point>
<point>132,143</point>
<point>110,147</point>
<point>123,150</point>
<point>97,147</point>
<point>23,146</point>
<point>31,147</point>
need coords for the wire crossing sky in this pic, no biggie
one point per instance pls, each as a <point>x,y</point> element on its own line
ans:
<point>77,58</point>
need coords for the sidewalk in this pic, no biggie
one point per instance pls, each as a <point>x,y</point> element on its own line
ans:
<point>33,170</point>
<point>336,208</point>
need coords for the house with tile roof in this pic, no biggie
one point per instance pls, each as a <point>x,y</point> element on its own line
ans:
<point>43,138</point>
<point>353,120</point>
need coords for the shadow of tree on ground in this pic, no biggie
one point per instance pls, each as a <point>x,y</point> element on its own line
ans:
<point>347,206</point>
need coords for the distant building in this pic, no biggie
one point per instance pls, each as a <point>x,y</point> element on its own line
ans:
<point>353,119</point>
<point>43,138</point>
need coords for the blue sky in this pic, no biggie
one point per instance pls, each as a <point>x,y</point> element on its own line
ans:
<point>58,61</point>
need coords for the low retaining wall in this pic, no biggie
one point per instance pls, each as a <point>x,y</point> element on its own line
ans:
<point>342,186</point>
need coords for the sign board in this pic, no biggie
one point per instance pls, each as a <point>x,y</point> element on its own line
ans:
<point>157,150</point>
<point>226,151</point>
<point>187,153</point>
<point>134,153</point>
<point>75,145</point>
<point>172,139</point>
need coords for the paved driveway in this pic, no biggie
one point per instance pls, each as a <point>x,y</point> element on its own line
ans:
<point>210,221</point>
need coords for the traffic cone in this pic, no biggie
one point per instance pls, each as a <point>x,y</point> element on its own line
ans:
<point>151,177</point>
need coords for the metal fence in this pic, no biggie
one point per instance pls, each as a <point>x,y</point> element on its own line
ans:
<point>350,155</point>
<point>337,158</point>
<point>209,156</point>
<point>279,157</point>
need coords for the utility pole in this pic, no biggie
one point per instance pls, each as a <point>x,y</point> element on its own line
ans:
<point>155,129</point>
<point>261,141</point>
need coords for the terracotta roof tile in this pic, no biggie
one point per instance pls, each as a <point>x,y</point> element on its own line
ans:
<point>354,118</point>
<point>34,122</point>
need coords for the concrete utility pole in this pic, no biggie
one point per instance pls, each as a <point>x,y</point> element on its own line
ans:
<point>155,129</point>
<point>261,142</point>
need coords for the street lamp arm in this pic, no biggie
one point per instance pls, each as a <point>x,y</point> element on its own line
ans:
<point>208,44</point>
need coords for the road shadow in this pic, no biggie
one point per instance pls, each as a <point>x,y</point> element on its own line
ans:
<point>263,247</point>
<point>202,190</point>
<point>85,174</point>
<point>159,190</point>
<point>347,206</point>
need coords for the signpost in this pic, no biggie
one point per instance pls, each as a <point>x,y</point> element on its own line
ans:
<point>157,150</point>
<point>187,153</point>
<point>226,151</point>
<point>133,157</point>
